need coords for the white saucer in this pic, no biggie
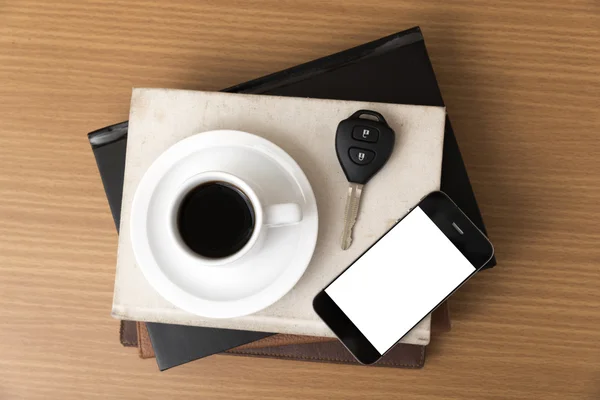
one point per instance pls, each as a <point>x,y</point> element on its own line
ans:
<point>247,285</point>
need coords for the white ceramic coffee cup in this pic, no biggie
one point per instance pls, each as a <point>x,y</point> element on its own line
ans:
<point>265,217</point>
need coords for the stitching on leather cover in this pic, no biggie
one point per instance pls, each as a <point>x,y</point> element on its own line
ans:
<point>277,355</point>
<point>300,357</point>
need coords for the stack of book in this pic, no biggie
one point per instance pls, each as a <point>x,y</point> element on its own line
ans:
<point>394,69</point>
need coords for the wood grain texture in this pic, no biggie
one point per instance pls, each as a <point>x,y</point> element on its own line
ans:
<point>521,80</point>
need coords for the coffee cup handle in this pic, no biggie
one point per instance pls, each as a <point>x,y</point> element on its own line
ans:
<point>282,214</point>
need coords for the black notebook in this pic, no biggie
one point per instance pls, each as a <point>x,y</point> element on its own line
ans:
<point>394,69</point>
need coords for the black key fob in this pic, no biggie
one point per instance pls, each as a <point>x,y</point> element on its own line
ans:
<point>363,145</point>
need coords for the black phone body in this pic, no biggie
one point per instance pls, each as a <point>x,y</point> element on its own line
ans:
<point>405,275</point>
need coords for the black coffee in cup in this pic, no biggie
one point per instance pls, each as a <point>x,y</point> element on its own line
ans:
<point>215,219</point>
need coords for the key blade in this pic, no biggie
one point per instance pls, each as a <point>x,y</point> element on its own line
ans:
<point>351,212</point>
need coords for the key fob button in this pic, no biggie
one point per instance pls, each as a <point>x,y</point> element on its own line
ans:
<point>365,133</point>
<point>361,156</point>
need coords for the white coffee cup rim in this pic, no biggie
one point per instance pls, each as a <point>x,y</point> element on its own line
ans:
<point>219,176</point>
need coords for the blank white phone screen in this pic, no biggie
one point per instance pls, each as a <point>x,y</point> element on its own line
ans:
<point>400,280</point>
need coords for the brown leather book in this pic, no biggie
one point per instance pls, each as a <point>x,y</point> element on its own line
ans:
<point>304,348</point>
<point>332,351</point>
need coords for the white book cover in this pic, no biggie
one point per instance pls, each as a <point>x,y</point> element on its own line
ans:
<point>305,128</point>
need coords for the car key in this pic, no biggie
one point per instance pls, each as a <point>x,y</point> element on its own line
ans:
<point>363,146</point>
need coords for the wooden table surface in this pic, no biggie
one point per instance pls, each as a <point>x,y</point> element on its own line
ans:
<point>521,80</point>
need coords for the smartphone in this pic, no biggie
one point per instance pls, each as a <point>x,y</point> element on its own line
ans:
<point>402,277</point>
